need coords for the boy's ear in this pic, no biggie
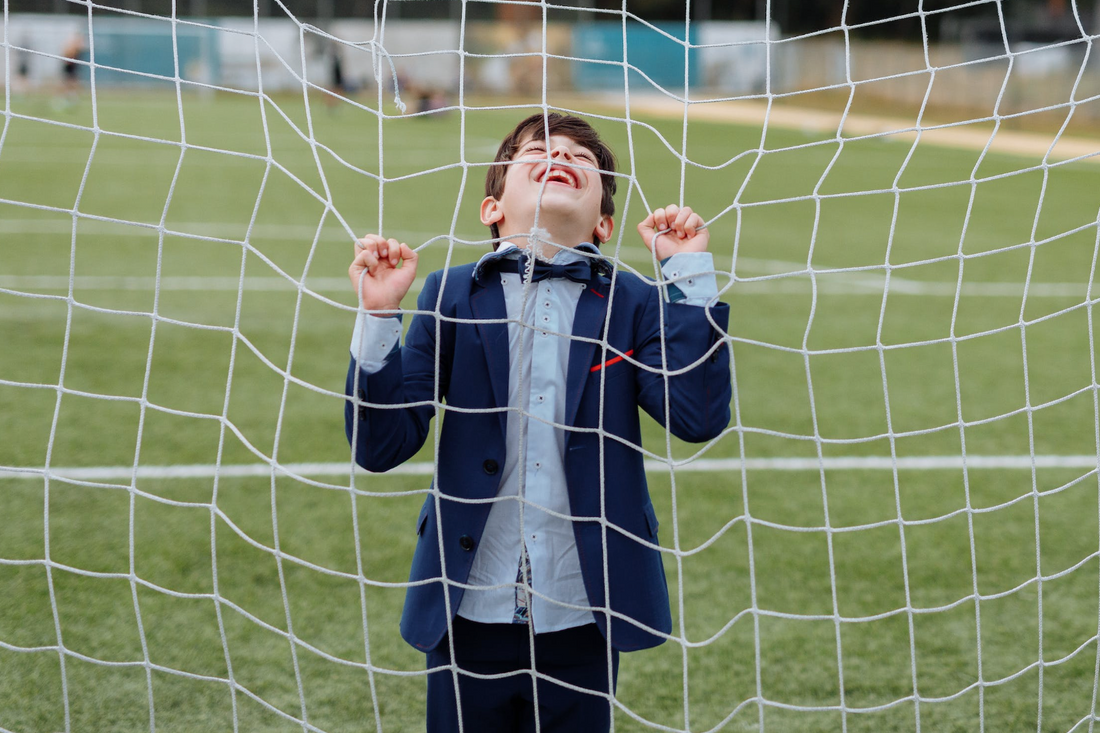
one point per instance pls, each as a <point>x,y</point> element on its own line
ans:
<point>491,213</point>
<point>604,228</point>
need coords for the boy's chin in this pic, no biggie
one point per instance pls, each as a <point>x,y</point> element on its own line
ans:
<point>565,205</point>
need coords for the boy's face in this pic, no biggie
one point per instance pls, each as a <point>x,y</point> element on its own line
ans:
<point>567,193</point>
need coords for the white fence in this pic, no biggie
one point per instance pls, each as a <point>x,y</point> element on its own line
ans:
<point>726,59</point>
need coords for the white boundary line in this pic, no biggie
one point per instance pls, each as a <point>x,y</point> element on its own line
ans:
<point>833,283</point>
<point>700,465</point>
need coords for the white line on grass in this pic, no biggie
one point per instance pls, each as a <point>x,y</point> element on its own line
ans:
<point>795,284</point>
<point>700,465</point>
<point>789,277</point>
<point>220,230</point>
<point>206,283</point>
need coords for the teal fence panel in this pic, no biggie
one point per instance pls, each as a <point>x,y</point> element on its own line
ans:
<point>139,50</point>
<point>660,58</point>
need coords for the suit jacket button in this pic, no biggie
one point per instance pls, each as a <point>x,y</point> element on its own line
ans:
<point>466,542</point>
<point>490,466</point>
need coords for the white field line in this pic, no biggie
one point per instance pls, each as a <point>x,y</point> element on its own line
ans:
<point>234,231</point>
<point>789,277</point>
<point>853,284</point>
<point>175,283</point>
<point>168,157</point>
<point>699,465</point>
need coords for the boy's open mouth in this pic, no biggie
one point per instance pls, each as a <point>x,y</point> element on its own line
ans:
<point>554,174</point>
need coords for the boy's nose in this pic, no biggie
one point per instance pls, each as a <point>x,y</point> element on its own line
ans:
<point>561,151</point>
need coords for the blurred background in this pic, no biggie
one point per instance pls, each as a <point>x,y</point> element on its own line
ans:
<point>796,51</point>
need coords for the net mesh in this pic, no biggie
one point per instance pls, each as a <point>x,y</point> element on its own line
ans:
<point>898,530</point>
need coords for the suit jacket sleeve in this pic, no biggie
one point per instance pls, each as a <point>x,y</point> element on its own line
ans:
<point>388,413</point>
<point>685,342</point>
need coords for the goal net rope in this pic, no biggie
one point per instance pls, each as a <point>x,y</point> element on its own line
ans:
<point>899,529</point>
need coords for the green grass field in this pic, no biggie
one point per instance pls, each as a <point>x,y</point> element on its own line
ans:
<point>849,599</point>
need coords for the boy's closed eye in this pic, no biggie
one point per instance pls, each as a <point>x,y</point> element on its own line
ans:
<point>539,149</point>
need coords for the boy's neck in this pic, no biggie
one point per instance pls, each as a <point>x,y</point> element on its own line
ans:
<point>543,242</point>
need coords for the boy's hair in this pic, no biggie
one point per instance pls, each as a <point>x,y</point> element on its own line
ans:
<point>536,127</point>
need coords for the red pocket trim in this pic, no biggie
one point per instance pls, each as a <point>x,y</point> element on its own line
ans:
<point>609,362</point>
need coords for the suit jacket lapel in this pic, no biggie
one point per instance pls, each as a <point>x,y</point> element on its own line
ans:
<point>487,303</point>
<point>587,324</point>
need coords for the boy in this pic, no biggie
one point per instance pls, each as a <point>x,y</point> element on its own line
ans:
<point>543,354</point>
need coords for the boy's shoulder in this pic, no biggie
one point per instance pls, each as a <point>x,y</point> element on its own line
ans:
<point>453,279</point>
<point>631,285</point>
<point>465,271</point>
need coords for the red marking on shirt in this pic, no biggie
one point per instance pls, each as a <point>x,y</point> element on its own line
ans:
<point>596,292</point>
<point>609,362</point>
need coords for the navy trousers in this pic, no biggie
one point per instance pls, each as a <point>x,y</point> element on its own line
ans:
<point>506,704</point>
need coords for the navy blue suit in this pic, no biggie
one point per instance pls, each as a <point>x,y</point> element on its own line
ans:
<point>468,339</point>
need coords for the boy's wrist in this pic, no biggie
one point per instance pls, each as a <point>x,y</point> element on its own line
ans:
<point>689,277</point>
<point>374,339</point>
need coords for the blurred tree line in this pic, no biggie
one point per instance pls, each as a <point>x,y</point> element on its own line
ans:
<point>887,19</point>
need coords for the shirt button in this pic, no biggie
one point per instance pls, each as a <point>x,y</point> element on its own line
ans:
<point>542,398</point>
<point>546,304</point>
<point>490,466</point>
<point>466,542</point>
<point>543,334</point>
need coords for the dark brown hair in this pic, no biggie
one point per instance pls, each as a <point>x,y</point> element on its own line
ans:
<point>536,127</point>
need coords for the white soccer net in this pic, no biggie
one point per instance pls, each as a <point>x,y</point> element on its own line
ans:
<point>899,530</point>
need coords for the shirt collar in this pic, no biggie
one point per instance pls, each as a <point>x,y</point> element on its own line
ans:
<point>507,250</point>
<point>564,255</point>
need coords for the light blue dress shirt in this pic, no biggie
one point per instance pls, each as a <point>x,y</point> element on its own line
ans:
<point>532,507</point>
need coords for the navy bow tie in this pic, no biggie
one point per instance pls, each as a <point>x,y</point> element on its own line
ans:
<point>579,271</point>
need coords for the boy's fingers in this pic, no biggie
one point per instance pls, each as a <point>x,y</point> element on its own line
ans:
<point>660,219</point>
<point>368,241</point>
<point>408,254</point>
<point>361,260</point>
<point>370,260</point>
<point>683,220</point>
<point>697,224</point>
<point>670,217</point>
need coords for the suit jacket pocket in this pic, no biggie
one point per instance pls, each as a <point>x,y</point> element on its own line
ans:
<point>651,520</point>
<point>423,518</point>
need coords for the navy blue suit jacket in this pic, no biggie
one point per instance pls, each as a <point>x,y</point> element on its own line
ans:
<point>468,339</point>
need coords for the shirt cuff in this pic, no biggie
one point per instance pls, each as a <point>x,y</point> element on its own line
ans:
<point>374,340</point>
<point>690,278</point>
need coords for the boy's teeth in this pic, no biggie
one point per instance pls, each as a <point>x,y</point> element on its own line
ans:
<point>556,175</point>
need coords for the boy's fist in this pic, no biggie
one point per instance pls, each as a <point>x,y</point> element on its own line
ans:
<point>672,229</point>
<point>382,272</point>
